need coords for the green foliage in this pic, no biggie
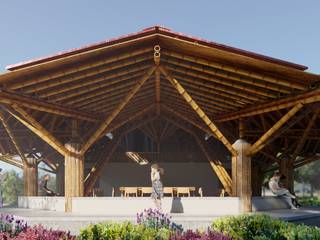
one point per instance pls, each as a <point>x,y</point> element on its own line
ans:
<point>309,173</point>
<point>261,227</point>
<point>11,186</point>
<point>123,231</point>
<point>309,201</point>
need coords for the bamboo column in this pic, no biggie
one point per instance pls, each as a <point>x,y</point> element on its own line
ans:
<point>30,176</point>
<point>241,175</point>
<point>198,110</point>
<point>74,171</point>
<point>60,179</point>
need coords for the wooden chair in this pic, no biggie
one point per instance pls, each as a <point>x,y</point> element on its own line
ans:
<point>145,190</point>
<point>168,191</point>
<point>183,191</point>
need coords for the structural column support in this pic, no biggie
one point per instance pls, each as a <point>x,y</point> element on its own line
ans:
<point>241,175</point>
<point>30,176</point>
<point>60,179</point>
<point>74,171</point>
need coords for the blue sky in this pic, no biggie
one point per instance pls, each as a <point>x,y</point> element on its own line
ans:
<point>286,29</point>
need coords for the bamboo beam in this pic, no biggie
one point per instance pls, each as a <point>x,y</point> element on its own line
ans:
<point>240,71</point>
<point>304,98</point>
<point>221,81</point>
<point>250,81</point>
<point>199,111</point>
<point>109,119</point>
<point>303,139</point>
<point>11,161</point>
<point>306,161</point>
<point>13,139</point>
<point>69,71</point>
<point>40,131</point>
<point>90,84</point>
<point>12,98</point>
<point>260,143</point>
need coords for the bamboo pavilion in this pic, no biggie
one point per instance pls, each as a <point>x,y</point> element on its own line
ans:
<point>161,96</point>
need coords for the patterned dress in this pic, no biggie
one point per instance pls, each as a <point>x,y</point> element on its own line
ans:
<point>157,187</point>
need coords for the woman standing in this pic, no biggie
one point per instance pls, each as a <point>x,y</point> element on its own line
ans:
<point>157,187</point>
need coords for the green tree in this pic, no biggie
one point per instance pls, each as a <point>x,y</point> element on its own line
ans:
<point>309,173</point>
<point>12,187</point>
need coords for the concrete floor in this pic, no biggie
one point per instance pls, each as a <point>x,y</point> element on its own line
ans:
<point>74,222</point>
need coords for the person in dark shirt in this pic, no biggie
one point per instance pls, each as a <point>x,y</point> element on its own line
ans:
<point>44,185</point>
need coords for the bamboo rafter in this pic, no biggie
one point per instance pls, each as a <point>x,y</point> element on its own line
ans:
<point>13,139</point>
<point>234,77</point>
<point>245,88</point>
<point>199,111</point>
<point>36,104</point>
<point>108,86</point>
<point>109,119</point>
<point>111,78</point>
<point>260,143</point>
<point>304,98</point>
<point>157,90</point>
<point>36,128</point>
<point>32,81</point>
<point>236,70</point>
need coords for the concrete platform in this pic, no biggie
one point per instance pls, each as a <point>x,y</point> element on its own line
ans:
<point>75,221</point>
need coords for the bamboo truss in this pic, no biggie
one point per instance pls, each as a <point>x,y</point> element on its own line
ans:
<point>13,139</point>
<point>90,65</point>
<point>233,77</point>
<point>109,119</point>
<point>240,71</point>
<point>36,128</point>
<point>260,143</point>
<point>199,111</point>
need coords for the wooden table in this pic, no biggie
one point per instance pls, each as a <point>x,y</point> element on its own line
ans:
<point>171,191</point>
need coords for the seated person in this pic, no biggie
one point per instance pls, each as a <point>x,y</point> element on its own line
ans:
<point>48,192</point>
<point>281,191</point>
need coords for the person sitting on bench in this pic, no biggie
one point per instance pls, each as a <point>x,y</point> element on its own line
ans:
<point>281,191</point>
<point>48,192</point>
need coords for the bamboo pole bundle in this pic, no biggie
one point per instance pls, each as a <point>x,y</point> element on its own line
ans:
<point>87,87</point>
<point>39,105</point>
<point>109,119</point>
<point>260,143</point>
<point>245,89</point>
<point>36,128</point>
<point>110,99</point>
<point>86,66</point>
<point>304,98</point>
<point>225,92</point>
<point>87,81</point>
<point>199,111</point>
<point>219,73</point>
<point>13,139</point>
<point>241,71</point>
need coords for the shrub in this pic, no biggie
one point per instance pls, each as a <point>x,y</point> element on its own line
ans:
<point>41,233</point>
<point>11,227</point>
<point>123,231</point>
<point>191,235</point>
<point>309,201</point>
<point>261,227</point>
<point>153,218</point>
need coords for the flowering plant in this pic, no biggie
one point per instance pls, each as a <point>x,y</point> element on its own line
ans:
<point>154,218</point>
<point>10,226</point>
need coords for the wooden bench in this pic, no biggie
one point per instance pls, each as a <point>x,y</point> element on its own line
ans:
<point>167,191</point>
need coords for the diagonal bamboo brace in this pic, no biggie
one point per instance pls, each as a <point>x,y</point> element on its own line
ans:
<point>115,112</point>
<point>260,143</point>
<point>198,110</point>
